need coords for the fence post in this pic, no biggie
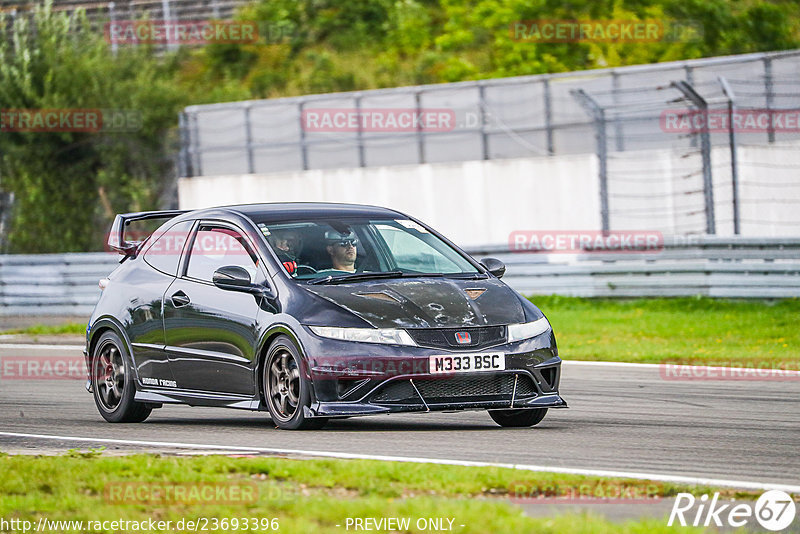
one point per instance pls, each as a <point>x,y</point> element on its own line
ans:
<point>167,16</point>
<point>248,128</point>
<point>599,117</point>
<point>112,18</point>
<point>303,144</point>
<point>618,131</point>
<point>420,136</point>
<point>6,203</point>
<point>769,89</point>
<point>183,154</point>
<point>194,145</point>
<point>548,116</point>
<point>360,134</point>
<point>482,106</point>
<point>732,140</point>
<point>705,150</point>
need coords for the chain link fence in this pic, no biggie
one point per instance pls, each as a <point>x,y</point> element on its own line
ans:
<point>619,114</point>
<point>502,118</point>
<point>103,11</point>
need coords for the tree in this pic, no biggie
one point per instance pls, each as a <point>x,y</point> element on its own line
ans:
<point>68,184</point>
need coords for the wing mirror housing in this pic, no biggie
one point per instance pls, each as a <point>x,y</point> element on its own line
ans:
<point>494,266</point>
<point>235,278</point>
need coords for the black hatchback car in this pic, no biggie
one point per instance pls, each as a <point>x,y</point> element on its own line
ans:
<point>311,312</point>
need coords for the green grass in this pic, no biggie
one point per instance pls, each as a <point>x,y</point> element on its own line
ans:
<point>305,495</point>
<point>680,330</point>
<point>47,330</point>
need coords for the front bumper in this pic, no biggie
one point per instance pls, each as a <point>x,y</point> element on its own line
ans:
<point>529,381</point>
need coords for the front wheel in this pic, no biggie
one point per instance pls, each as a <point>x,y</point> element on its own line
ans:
<point>286,391</point>
<point>113,382</point>
<point>518,418</point>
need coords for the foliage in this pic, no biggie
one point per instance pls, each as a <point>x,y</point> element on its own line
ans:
<point>68,185</point>
<point>317,46</point>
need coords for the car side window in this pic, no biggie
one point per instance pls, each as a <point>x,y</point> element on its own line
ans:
<point>164,253</point>
<point>219,246</point>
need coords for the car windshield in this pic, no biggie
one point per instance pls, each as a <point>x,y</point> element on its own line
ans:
<point>319,251</point>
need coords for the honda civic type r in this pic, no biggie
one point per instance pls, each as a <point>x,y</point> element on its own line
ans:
<point>313,311</point>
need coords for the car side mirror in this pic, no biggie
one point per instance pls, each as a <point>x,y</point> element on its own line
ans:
<point>494,266</point>
<point>235,278</point>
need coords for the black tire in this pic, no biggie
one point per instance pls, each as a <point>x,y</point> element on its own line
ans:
<point>286,390</point>
<point>518,418</point>
<point>113,384</point>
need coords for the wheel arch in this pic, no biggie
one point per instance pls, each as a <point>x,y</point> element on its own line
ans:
<point>101,326</point>
<point>266,341</point>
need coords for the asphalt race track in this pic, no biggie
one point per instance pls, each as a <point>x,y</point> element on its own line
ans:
<point>621,418</point>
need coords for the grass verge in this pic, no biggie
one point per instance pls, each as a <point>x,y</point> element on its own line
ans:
<point>47,330</point>
<point>304,495</point>
<point>676,330</point>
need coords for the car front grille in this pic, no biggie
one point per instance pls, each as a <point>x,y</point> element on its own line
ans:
<point>445,338</point>
<point>439,390</point>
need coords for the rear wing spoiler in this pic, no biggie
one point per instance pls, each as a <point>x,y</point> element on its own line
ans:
<point>116,238</point>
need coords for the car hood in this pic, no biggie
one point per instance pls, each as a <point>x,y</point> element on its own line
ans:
<point>426,302</point>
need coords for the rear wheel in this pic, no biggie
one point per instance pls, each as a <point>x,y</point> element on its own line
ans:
<point>113,382</point>
<point>286,391</point>
<point>518,418</point>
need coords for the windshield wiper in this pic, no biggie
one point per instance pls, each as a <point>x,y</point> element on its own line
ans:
<point>466,276</point>
<point>356,277</point>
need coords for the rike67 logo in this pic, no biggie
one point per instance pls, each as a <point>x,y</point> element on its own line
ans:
<point>774,510</point>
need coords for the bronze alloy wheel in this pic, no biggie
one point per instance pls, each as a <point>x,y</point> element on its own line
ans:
<point>109,374</point>
<point>286,389</point>
<point>113,383</point>
<point>284,384</point>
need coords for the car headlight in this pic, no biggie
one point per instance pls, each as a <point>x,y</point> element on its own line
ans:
<point>388,336</point>
<point>518,332</point>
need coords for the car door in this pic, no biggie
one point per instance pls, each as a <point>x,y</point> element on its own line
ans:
<point>211,333</point>
<point>155,269</point>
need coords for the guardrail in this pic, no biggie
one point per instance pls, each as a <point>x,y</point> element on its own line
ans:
<point>743,267</point>
<point>740,267</point>
<point>52,284</point>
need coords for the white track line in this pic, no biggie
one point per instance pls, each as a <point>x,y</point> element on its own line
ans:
<point>350,456</point>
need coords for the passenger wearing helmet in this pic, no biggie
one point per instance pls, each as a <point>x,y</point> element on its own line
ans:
<point>287,245</point>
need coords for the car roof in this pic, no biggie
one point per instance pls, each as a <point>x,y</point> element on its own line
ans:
<point>284,211</point>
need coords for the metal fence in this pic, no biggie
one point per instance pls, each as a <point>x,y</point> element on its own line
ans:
<point>499,118</point>
<point>133,9</point>
<point>67,284</point>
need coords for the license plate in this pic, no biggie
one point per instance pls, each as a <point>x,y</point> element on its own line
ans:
<point>467,363</point>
